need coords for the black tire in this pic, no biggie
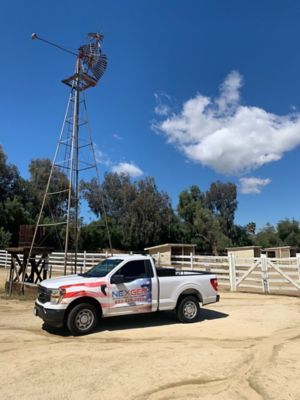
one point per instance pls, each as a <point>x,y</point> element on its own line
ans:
<point>82,319</point>
<point>188,309</point>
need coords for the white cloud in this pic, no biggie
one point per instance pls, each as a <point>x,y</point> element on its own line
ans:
<point>229,137</point>
<point>162,108</point>
<point>123,167</point>
<point>117,137</point>
<point>101,157</point>
<point>229,92</point>
<point>253,185</point>
<point>127,168</point>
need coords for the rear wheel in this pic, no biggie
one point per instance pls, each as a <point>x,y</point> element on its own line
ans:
<point>188,309</point>
<point>82,319</point>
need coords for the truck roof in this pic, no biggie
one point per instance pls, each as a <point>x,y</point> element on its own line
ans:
<point>129,256</point>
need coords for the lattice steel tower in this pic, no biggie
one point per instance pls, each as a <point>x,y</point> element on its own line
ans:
<point>75,150</point>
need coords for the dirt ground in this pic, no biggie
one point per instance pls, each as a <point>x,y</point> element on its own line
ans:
<point>245,347</point>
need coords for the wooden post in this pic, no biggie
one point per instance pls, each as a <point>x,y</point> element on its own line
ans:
<point>6,256</point>
<point>264,273</point>
<point>46,267</point>
<point>11,276</point>
<point>232,271</point>
<point>50,269</point>
<point>84,261</point>
<point>192,260</point>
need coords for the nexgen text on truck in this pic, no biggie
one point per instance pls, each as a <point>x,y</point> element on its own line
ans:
<point>123,284</point>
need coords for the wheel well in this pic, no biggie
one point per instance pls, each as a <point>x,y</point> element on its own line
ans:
<point>189,292</point>
<point>85,299</point>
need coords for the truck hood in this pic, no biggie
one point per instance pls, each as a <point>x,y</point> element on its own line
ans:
<point>68,281</point>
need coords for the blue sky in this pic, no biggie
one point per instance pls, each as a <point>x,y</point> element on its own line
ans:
<point>195,91</point>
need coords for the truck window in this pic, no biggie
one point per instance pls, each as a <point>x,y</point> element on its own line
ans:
<point>136,269</point>
<point>102,269</point>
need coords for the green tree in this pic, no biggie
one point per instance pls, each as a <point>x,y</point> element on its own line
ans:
<point>13,214</point>
<point>55,205</point>
<point>5,238</point>
<point>221,200</point>
<point>267,237</point>
<point>208,229</point>
<point>189,201</point>
<point>149,217</point>
<point>240,236</point>
<point>93,236</point>
<point>138,213</point>
<point>251,228</point>
<point>200,225</point>
<point>9,177</point>
<point>14,205</point>
<point>289,232</point>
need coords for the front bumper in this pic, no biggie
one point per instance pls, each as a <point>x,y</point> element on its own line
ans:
<point>51,317</point>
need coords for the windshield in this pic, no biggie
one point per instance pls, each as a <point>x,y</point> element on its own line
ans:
<point>102,269</point>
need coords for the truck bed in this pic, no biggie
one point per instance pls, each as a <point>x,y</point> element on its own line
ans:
<point>164,272</point>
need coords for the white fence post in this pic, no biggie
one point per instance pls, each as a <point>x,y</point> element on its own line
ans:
<point>264,273</point>
<point>192,260</point>
<point>84,261</point>
<point>232,272</point>
<point>6,257</point>
<point>298,264</point>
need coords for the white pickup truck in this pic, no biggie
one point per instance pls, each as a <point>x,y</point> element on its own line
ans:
<point>123,284</point>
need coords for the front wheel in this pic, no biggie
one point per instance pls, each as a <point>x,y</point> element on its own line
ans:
<point>188,310</point>
<point>82,319</point>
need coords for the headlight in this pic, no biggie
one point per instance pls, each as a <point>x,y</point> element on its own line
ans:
<point>56,295</point>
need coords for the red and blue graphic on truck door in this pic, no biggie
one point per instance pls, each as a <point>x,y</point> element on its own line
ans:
<point>139,297</point>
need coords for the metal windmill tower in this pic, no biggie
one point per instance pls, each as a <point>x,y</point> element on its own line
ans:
<point>75,151</point>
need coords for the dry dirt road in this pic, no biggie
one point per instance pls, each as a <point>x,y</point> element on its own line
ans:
<point>245,347</point>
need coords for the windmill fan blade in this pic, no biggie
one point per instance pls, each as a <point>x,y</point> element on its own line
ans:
<point>100,67</point>
<point>93,59</point>
<point>90,53</point>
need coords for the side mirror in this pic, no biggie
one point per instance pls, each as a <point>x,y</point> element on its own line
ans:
<point>117,279</point>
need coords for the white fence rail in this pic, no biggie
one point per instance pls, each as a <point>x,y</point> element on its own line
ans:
<point>262,275</point>
<point>85,261</point>
<point>4,259</point>
<point>259,275</point>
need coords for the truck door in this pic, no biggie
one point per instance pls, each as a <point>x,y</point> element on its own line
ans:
<point>134,293</point>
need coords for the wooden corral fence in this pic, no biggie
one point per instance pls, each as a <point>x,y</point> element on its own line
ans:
<point>85,261</point>
<point>259,275</point>
<point>5,259</point>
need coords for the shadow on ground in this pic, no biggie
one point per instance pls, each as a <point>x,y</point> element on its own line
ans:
<point>139,321</point>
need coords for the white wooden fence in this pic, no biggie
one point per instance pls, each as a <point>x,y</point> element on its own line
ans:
<point>259,275</point>
<point>56,261</point>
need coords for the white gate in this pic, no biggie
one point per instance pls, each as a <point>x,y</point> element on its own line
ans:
<point>257,275</point>
<point>270,275</point>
